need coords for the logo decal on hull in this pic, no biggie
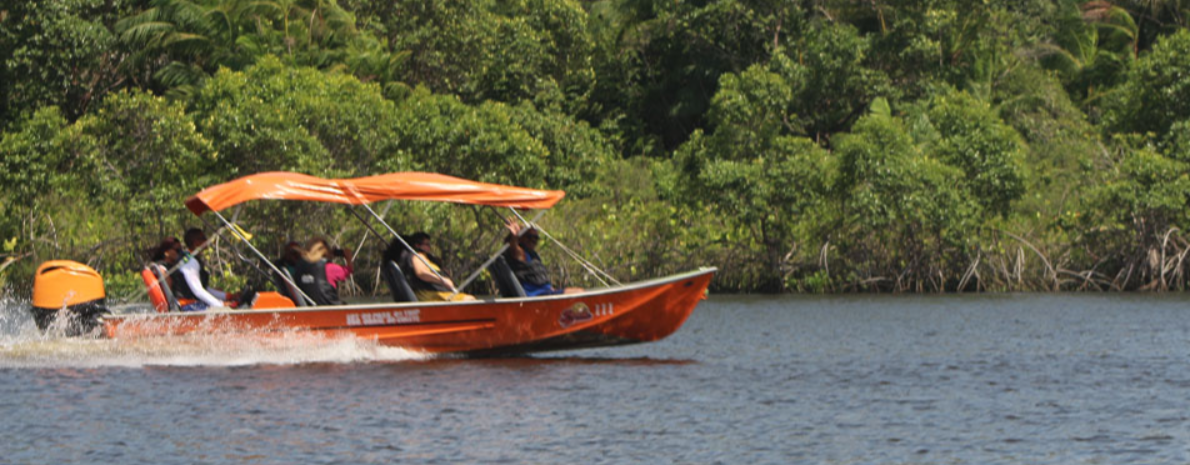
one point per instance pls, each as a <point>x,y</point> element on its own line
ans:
<point>577,313</point>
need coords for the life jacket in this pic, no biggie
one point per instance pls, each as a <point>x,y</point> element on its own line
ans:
<point>181,287</point>
<point>311,279</point>
<point>531,270</point>
<point>417,283</point>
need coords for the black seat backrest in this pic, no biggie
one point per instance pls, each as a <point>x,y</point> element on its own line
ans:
<point>163,281</point>
<point>286,289</point>
<point>397,282</point>
<point>506,281</point>
<point>279,284</point>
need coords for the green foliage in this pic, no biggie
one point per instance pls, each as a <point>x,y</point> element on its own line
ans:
<point>664,65</point>
<point>747,167</point>
<point>510,51</point>
<point>751,169</point>
<point>147,154</point>
<point>830,81</point>
<point>1157,93</point>
<point>631,232</point>
<point>440,133</point>
<point>1153,186</point>
<point>35,169</point>
<point>811,146</point>
<point>922,44</point>
<point>1176,142</point>
<point>496,142</point>
<point>974,139</point>
<point>57,53</point>
<point>178,42</point>
<point>905,216</point>
<point>779,185</point>
<point>1092,47</point>
<point>751,110</point>
<point>818,282</point>
<point>33,159</point>
<point>1128,219</point>
<point>275,117</point>
<point>578,155</point>
<point>1064,157</point>
<point>123,287</point>
<point>1156,18</point>
<point>99,189</point>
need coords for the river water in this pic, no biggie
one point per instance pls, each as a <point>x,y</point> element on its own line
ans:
<point>1038,379</point>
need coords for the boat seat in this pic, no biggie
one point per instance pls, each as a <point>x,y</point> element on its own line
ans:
<point>285,288</point>
<point>160,294</point>
<point>505,280</point>
<point>397,282</point>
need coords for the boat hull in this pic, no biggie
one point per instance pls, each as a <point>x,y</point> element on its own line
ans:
<point>634,313</point>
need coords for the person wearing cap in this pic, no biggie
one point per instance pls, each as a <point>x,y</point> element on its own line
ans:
<point>526,264</point>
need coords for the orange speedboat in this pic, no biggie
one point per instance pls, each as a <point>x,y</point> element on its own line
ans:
<point>629,314</point>
<point>510,323</point>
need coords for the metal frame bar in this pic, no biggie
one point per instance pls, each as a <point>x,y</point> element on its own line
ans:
<point>455,289</point>
<point>486,264</point>
<point>302,295</point>
<point>590,267</point>
<point>406,244</point>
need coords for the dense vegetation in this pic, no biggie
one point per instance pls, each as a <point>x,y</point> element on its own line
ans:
<point>815,145</point>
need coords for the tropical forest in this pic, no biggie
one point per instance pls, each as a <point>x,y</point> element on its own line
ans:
<point>812,146</point>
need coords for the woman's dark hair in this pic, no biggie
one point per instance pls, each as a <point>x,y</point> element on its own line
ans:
<point>417,237</point>
<point>157,254</point>
<point>396,248</point>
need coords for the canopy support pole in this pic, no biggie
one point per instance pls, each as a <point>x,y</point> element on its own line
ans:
<point>590,267</point>
<point>367,224</point>
<point>234,230</point>
<point>485,265</point>
<point>406,244</point>
<point>145,290</point>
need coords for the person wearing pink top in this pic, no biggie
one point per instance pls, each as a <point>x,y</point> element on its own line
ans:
<point>336,273</point>
<point>317,277</point>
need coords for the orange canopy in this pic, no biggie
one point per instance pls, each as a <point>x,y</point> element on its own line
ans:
<point>358,191</point>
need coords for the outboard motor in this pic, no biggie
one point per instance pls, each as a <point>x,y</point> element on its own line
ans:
<point>72,290</point>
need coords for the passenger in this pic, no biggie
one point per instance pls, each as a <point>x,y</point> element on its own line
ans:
<point>290,258</point>
<point>429,283</point>
<point>192,281</point>
<point>336,273</point>
<point>312,276</point>
<point>394,252</point>
<point>167,252</point>
<point>286,282</point>
<point>526,264</point>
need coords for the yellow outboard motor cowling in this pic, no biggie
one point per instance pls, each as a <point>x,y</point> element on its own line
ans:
<point>70,289</point>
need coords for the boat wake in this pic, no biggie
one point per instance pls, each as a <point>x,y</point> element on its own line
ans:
<point>22,345</point>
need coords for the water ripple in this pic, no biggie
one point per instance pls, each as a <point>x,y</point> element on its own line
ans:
<point>1039,379</point>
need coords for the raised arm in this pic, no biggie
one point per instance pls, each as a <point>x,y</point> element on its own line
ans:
<point>514,244</point>
<point>349,258</point>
